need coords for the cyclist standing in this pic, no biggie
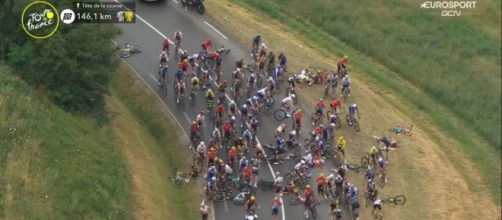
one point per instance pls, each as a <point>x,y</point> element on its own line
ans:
<point>341,64</point>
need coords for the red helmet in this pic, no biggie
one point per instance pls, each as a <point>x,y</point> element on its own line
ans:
<point>202,112</point>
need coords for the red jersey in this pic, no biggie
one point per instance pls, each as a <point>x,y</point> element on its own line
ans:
<point>317,130</point>
<point>207,43</point>
<point>232,153</point>
<point>183,65</point>
<point>248,173</point>
<point>227,127</point>
<point>166,42</point>
<point>321,180</point>
<point>336,104</point>
<point>193,128</point>
<point>320,105</point>
<point>342,60</point>
<point>220,109</point>
<point>211,155</point>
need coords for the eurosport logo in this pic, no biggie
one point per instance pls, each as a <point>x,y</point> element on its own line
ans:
<point>40,19</point>
<point>450,8</point>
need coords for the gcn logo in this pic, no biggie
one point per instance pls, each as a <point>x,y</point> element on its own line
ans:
<point>40,19</point>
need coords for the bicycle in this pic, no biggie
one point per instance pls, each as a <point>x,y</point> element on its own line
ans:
<point>396,200</point>
<point>338,121</point>
<point>181,179</point>
<point>345,93</point>
<point>355,122</point>
<point>163,87</point>
<point>316,118</point>
<point>281,113</point>
<point>127,49</point>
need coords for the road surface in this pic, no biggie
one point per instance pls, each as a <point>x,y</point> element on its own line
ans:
<point>158,19</point>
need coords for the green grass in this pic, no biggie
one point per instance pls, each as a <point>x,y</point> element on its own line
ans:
<point>456,61</point>
<point>406,41</point>
<point>169,143</point>
<point>55,165</point>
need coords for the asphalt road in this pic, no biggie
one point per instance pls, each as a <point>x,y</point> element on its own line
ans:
<point>158,19</point>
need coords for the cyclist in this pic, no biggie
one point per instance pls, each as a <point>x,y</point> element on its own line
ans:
<point>332,118</point>
<point>247,172</point>
<point>248,137</point>
<point>276,202</point>
<point>278,182</point>
<point>195,82</point>
<point>200,118</point>
<point>291,84</point>
<point>244,111</point>
<point>222,88</point>
<point>204,210</point>
<point>345,85</point>
<point>374,152</point>
<point>252,81</point>
<point>206,46</point>
<point>352,113</point>
<point>255,42</point>
<point>369,176</point>
<point>309,199</point>
<point>258,151</point>
<point>352,191</point>
<point>377,205</point>
<point>372,190</point>
<point>183,64</point>
<point>334,211</point>
<point>163,69</point>
<point>202,150</point>
<point>232,108</point>
<point>321,185</point>
<point>271,84</point>
<point>336,106</point>
<point>251,204</point>
<point>319,107</point>
<point>210,95</point>
<point>177,38</point>
<point>338,184</point>
<point>340,145</point>
<point>282,60</point>
<point>341,64</point>
<point>179,75</point>
<point>232,153</point>
<point>382,168</point>
<point>165,45</point>
<point>220,109</point>
<point>180,88</point>
<point>254,124</point>
<point>194,60</point>
<point>279,150</point>
<point>271,60</point>
<point>280,130</point>
<point>243,163</point>
<point>227,130</point>
<point>163,58</point>
<point>194,131</point>
<point>216,135</point>
<point>289,103</point>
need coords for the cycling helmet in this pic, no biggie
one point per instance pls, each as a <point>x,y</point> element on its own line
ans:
<point>380,159</point>
<point>307,186</point>
<point>213,179</point>
<point>233,148</point>
<point>252,198</point>
<point>293,132</point>
<point>333,125</point>
<point>292,96</point>
<point>321,99</point>
<point>193,122</point>
<point>232,118</point>
<point>209,90</point>
<point>321,174</point>
<point>202,112</point>
<point>252,75</point>
<point>270,78</point>
<point>244,106</point>
<point>277,173</point>
<point>302,161</point>
<point>354,105</point>
<point>340,138</point>
<point>263,45</point>
<point>283,125</point>
<point>345,56</point>
<point>316,138</point>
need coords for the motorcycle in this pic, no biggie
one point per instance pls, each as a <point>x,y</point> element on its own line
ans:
<point>197,4</point>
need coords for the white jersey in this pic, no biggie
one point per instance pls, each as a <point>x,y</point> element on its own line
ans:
<point>298,166</point>
<point>228,169</point>
<point>377,202</point>
<point>280,129</point>
<point>308,157</point>
<point>278,180</point>
<point>287,100</point>
<point>201,148</point>
<point>200,118</point>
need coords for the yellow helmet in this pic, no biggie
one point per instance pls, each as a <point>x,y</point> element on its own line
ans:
<point>341,138</point>
<point>193,122</point>
<point>212,149</point>
<point>233,148</point>
<point>307,186</point>
<point>252,198</point>
<point>345,56</point>
<point>322,174</point>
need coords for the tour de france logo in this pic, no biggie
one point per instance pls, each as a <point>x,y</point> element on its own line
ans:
<point>40,19</point>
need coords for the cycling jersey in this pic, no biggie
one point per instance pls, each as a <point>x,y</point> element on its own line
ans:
<point>374,150</point>
<point>195,80</point>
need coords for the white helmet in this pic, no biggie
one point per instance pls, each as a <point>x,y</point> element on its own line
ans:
<point>354,105</point>
<point>252,75</point>
<point>270,78</point>
<point>202,143</point>
<point>209,90</point>
<point>214,178</point>
<point>316,138</point>
<point>244,106</point>
<point>277,173</point>
<point>380,159</point>
<point>263,45</point>
<point>232,118</point>
<point>293,132</point>
<point>333,125</point>
<point>292,96</point>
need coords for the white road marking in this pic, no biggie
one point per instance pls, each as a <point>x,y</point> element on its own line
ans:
<point>153,77</point>
<point>169,110</point>
<point>187,118</point>
<point>175,1</point>
<point>225,205</point>
<point>217,31</point>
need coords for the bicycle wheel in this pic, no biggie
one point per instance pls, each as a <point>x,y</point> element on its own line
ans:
<point>123,53</point>
<point>295,201</point>
<point>347,119</point>
<point>307,142</point>
<point>365,161</point>
<point>314,211</point>
<point>399,200</point>
<point>177,182</point>
<point>137,49</point>
<point>279,114</point>
<point>356,125</point>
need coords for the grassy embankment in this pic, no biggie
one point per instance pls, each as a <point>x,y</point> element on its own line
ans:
<point>419,166</point>
<point>54,165</point>
<point>58,166</point>
<point>451,66</point>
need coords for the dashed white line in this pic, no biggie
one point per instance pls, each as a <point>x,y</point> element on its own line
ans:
<point>225,205</point>
<point>153,77</point>
<point>186,117</point>
<point>175,1</point>
<point>217,31</point>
